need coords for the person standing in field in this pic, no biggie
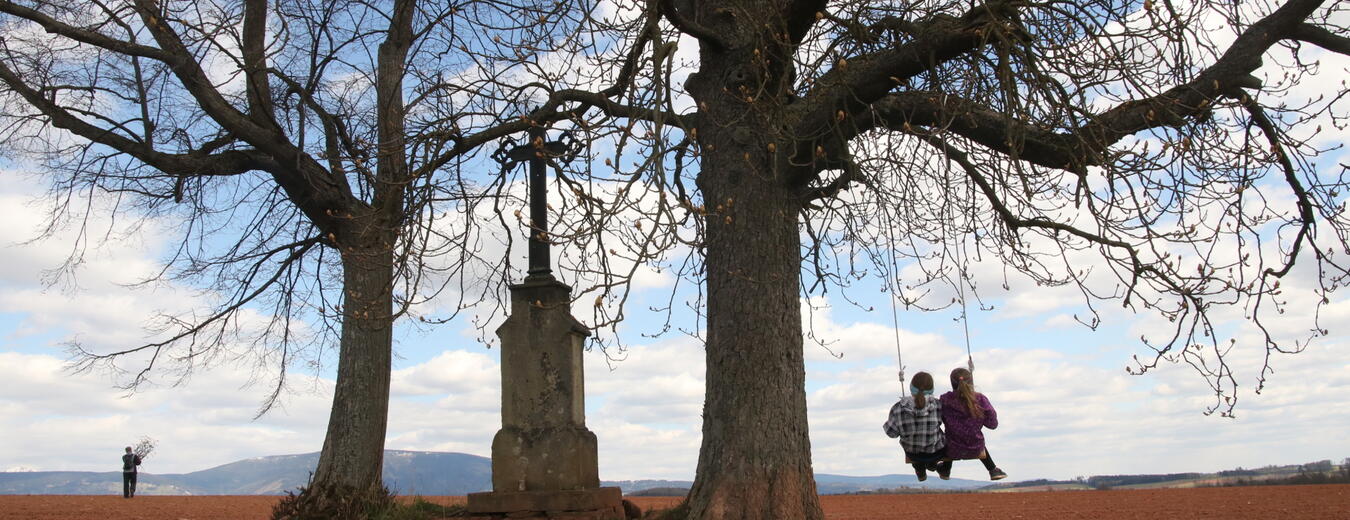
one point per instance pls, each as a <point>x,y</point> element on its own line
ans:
<point>129,462</point>
<point>964,413</point>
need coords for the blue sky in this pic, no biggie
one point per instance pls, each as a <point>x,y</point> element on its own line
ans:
<point>1066,405</point>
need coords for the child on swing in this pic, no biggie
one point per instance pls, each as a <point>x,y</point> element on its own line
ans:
<point>917,420</point>
<point>964,413</point>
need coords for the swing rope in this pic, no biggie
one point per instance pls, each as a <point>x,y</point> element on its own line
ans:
<point>893,284</point>
<point>895,326</point>
<point>957,250</point>
<point>965,321</point>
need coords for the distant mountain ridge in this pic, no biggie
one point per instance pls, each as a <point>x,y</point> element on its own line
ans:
<point>425,473</point>
<point>431,473</point>
<point>405,472</point>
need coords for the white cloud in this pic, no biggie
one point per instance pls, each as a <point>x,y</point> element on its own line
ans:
<point>1062,415</point>
<point>451,372</point>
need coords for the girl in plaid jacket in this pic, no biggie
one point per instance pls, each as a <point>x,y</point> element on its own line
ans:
<point>917,420</point>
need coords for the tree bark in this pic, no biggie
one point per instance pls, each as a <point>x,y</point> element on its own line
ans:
<point>353,448</point>
<point>755,461</point>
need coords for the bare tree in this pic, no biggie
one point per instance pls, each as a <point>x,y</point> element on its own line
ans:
<point>307,153</point>
<point>820,143</point>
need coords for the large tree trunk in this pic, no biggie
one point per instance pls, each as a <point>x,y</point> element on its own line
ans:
<point>353,448</point>
<point>347,483</point>
<point>755,462</point>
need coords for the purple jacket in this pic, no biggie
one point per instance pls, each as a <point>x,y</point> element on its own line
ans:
<point>964,438</point>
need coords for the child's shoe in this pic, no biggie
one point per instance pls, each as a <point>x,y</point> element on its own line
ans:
<point>921,473</point>
<point>997,474</point>
<point>944,470</point>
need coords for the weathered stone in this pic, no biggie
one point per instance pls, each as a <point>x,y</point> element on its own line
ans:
<point>542,383</point>
<point>562,458</point>
<point>543,458</point>
<point>543,443</point>
<point>550,501</point>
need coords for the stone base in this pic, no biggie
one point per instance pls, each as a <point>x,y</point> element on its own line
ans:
<point>560,457</point>
<point>604,503</point>
<point>535,515</point>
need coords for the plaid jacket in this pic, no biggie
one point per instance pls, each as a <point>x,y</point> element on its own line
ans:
<point>920,431</point>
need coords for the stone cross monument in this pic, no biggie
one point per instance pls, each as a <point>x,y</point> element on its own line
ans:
<point>544,458</point>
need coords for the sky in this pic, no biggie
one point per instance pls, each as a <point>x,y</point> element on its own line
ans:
<point>1066,405</point>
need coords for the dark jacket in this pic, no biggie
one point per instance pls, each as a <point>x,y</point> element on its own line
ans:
<point>129,462</point>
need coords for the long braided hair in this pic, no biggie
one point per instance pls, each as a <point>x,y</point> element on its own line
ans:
<point>963,383</point>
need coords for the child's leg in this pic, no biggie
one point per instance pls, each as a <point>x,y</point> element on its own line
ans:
<point>994,472</point>
<point>988,461</point>
<point>920,471</point>
<point>944,469</point>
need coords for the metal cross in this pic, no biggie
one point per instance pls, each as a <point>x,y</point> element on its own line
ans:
<point>538,152</point>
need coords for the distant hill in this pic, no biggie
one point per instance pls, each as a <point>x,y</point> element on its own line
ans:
<point>664,487</point>
<point>405,472</point>
<point>659,492</point>
<point>438,474</point>
<point>840,484</point>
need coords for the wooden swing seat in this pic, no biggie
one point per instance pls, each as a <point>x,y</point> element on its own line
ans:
<point>977,457</point>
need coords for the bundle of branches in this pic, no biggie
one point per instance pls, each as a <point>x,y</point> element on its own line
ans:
<point>144,447</point>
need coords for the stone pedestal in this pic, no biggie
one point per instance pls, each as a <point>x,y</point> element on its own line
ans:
<point>602,503</point>
<point>544,461</point>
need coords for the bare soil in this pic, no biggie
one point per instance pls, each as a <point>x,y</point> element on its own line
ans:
<point>1236,503</point>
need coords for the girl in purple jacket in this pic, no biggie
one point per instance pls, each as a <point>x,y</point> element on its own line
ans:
<point>964,413</point>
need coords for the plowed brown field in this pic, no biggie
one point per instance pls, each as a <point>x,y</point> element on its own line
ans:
<point>1237,503</point>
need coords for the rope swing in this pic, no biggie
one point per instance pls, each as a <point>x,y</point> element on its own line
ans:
<point>965,331</point>
<point>895,327</point>
<point>965,322</point>
<point>893,284</point>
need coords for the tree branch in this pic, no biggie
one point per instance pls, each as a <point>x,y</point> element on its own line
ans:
<point>904,111</point>
<point>1305,206</point>
<point>255,62</point>
<point>611,108</point>
<point>1077,148</point>
<point>86,360</point>
<point>194,79</point>
<point>53,26</point>
<point>317,192</point>
<point>704,35</point>
<point>800,15</point>
<point>634,57</point>
<point>861,80</point>
<point>194,163</point>
<point>1323,38</point>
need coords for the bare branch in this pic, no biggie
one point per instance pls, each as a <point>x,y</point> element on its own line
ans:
<point>1323,38</point>
<point>685,25</point>
<point>96,39</point>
